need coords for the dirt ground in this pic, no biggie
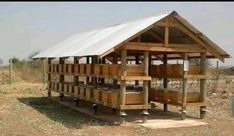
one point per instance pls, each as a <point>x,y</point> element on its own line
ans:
<point>25,110</point>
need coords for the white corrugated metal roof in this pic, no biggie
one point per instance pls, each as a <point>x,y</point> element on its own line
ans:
<point>98,41</point>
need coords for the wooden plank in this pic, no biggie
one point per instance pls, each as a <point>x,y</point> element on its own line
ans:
<point>135,70</point>
<point>115,70</point>
<point>135,98</point>
<point>134,107</point>
<point>131,78</point>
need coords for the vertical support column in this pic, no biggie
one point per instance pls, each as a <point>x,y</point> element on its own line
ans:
<point>49,76</point>
<point>184,91</point>
<point>76,80</point>
<point>166,40</point>
<point>61,77</point>
<point>123,84</point>
<point>203,70</point>
<point>165,82</point>
<point>115,61</point>
<point>149,63</point>
<point>103,79</point>
<point>94,79</point>
<point>137,62</point>
<point>44,71</point>
<point>94,82</point>
<point>87,62</point>
<point>145,113</point>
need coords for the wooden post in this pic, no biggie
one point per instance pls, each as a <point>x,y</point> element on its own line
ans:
<point>184,91</point>
<point>10,69</point>
<point>123,84</point>
<point>49,76</point>
<point>87,62</point>
<point>76,80</point>
<point>61,77</point>
<point>103,62</point>
<point>165,81</point>
<point>149,63</point>
<point>166,36</point>
<point>203,70</point>
<point>44,71</point>
<point>115,61</point>
<point>94,79</point>
<point>145,86</point>
<point>137,62</point>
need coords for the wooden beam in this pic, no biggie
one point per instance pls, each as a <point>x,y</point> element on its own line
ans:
<point>134,107</point>
<point>165,82</point>
<point>184,89</point>
<point>166,24</point>
<point>158,47</point>
<point>166,40</point>
<point>131,78</point>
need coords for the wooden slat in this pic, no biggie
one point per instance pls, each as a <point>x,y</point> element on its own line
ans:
<point>135,78</point>
<point>134,107</point>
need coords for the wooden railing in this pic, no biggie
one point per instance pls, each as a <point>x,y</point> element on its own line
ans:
<point>95,69</point>
<point>106,97</point>
<point>172,70</point>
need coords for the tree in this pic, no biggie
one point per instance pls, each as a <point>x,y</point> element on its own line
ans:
<point>15,60</point>
<point>34,53</point>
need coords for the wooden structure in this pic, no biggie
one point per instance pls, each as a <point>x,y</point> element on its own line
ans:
<point>105,79</point>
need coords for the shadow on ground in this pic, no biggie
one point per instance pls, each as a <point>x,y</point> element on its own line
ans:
<point>59,113</point>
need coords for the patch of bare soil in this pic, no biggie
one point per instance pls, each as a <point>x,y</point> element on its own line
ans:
<point>25,110</point>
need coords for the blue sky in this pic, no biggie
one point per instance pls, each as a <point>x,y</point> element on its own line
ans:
<point>26,27</point>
